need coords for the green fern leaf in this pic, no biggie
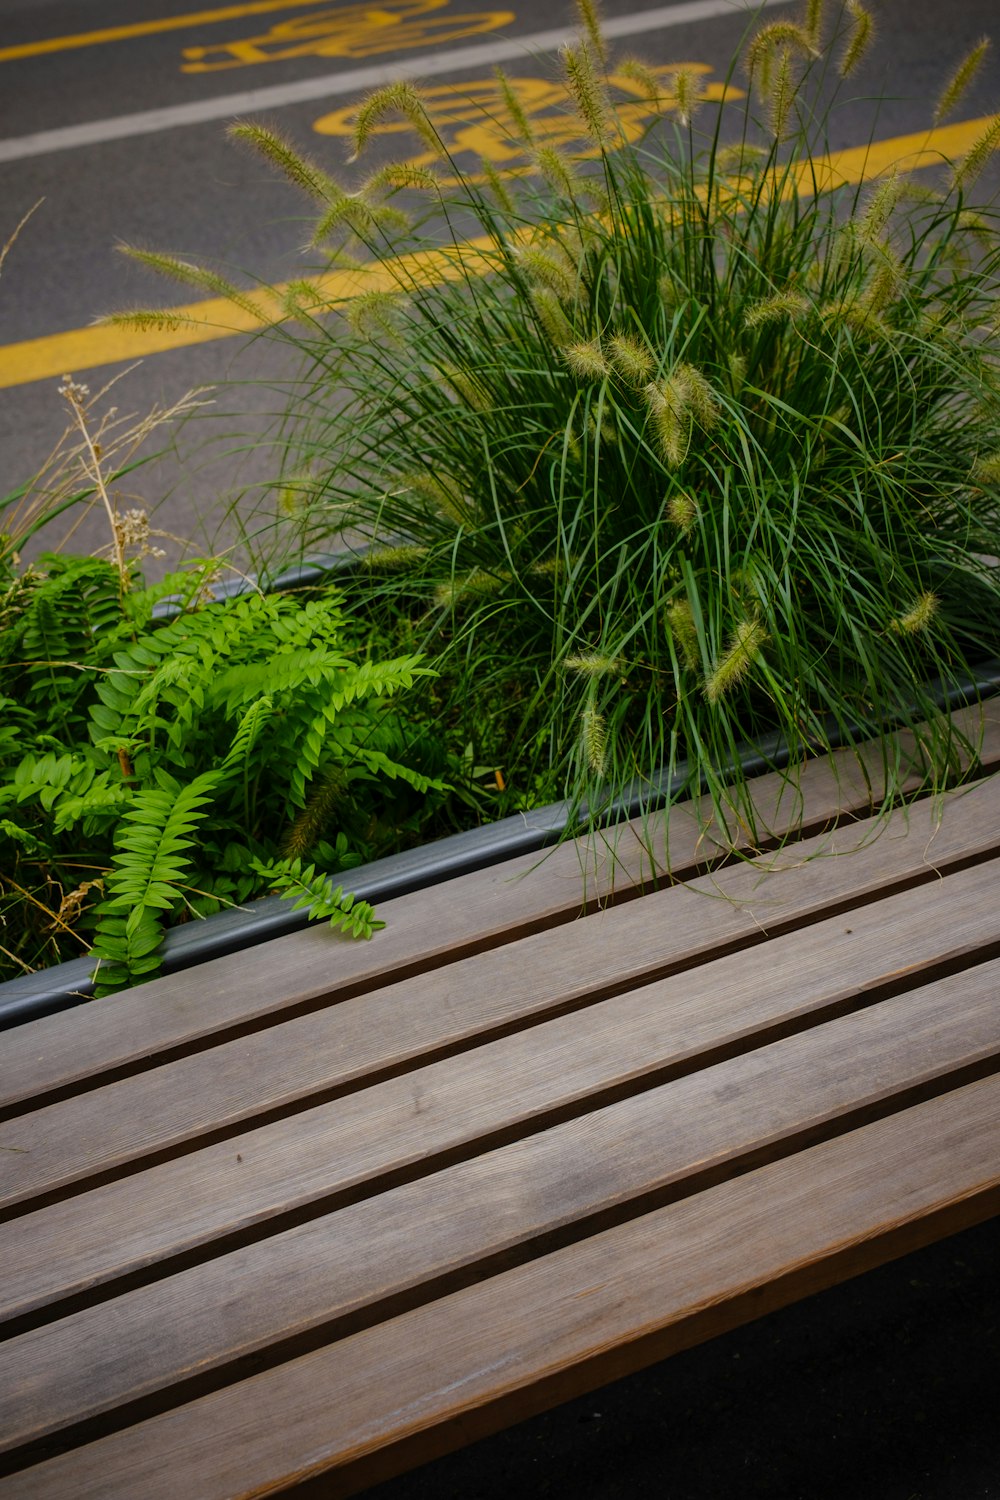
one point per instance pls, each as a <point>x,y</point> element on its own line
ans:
<point>150,862</point>
<point>315,893</point>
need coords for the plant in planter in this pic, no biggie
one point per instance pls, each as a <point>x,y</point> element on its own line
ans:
<point>685,444</point>
<point>153,769</point>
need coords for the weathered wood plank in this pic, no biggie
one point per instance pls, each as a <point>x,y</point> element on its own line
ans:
<point>429,928</point>
<point>488,1355</point>
<point>409,1125</point>
<point>680,1136</point>
<point>483,996</point>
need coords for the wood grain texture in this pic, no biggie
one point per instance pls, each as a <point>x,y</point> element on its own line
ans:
<point>424,930</point>
<point>539,1333</point>
<point>414,1123</point>
<point>481,996</point>
<point>681,1136</point>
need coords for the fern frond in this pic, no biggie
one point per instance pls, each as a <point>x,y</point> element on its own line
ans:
<point>150,861</point>
<point>248,733</point>
<point>315,892</point>
<point>381,764</point>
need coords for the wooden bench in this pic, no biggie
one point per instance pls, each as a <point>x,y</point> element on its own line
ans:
<point>307,1216</point>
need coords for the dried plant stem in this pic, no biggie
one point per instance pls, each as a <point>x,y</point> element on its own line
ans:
<point>91,460</point>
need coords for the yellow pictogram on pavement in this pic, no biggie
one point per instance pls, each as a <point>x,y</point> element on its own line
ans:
<point>469,117</point>
<point>354,31</point>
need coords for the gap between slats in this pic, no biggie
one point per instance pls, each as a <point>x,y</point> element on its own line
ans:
<point>190,1210</point>
<point>619,1165</point>
<point>141,1123</point>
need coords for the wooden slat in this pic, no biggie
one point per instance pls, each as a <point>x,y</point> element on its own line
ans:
<point>482,1357</point>
<point>483,996</point>
<point>679,1136</point>
<point>410,1124</point>
<point>424,930</point>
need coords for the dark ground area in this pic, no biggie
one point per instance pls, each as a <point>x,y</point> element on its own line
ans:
<point>884,1388</point>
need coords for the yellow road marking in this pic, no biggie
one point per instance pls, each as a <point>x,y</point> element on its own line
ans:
<point>86,348</point>
<point>543,101</point>
<point>216,318</point>
<point>150,28</point>
<point>356,31</point>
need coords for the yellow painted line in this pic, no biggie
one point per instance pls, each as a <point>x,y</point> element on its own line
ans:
<point>150,28</point>
<point>86,348</point>
<point>925,148</point>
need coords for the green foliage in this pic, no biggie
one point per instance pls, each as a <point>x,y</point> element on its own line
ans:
<point>173,769</point>
<point>324,901</point>
<point>695,410</point>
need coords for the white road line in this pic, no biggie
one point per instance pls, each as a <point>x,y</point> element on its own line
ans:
<point>357,80</point>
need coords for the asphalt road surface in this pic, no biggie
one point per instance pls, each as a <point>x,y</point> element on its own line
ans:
<point>114,114</point>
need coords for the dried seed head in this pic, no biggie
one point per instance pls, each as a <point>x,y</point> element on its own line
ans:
<point>697,394</point>
<point>887,193</point>
<point>776,308</point>
<point>305,174</point>
<point>812,21</point>
<point>444,494</point>
<point>514,108</point>
<point>590,16</point>
<point>686,396</point>
<point>740,159</point>
<point>399,175</point>
<point>312,821</point>
<point>593,664</point>
<point>779,36</point>
<point>682,510</point>
<point>680,622</point>
<point>672,433</point>
<point>885,282</point>
<point>986,470</point>
<point>558,171</point>
<point>860,39</point>
<point>781,93</point>
<point>632,361</point>
<point>374,315</point>
<point>201,277</point>
<point>497,186</point>
<point>145,320</point>
<point>586,360</point>
<point>588,93</point>
<point>552,269</point>
<point>400,98</point>
<point>857,317</point>
<point>647,80</point>
<point>748,640</point>
<point>919,616</point>
<point>353,213</point>
<point>393,559</point>
<point>960,81</point>
<point>594,733</point>
<point>554,322</point>
<point>979,226</point>
<point>975,160</point>
<point>687,88</point>
<point>476,584</point>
